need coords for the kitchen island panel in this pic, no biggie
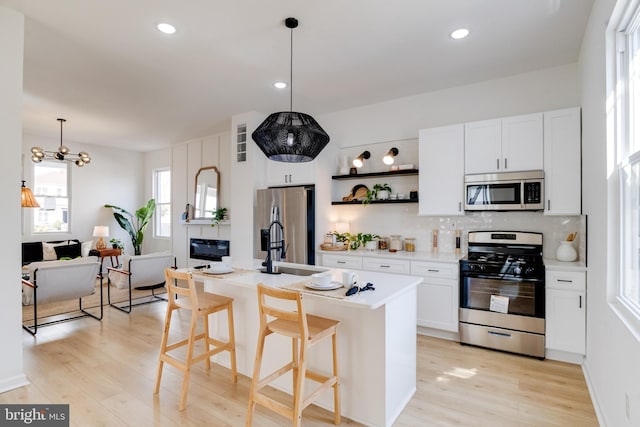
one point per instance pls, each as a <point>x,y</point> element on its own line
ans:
<point>376,346</point>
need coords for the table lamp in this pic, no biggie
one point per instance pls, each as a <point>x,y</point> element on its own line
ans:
<point>100,231</point>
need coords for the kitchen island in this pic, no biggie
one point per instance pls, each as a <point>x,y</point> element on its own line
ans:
<point>376,338</point>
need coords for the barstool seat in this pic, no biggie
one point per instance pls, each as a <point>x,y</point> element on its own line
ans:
<point>305,330</point>
<point>182,294</point>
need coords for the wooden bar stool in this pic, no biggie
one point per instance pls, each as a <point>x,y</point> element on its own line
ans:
<point>182,294</point>
<point>305,330</point>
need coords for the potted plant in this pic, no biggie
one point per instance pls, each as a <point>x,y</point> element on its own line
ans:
<point>218,215</point>
<point>136,227</point>
<point>378,192</point>
<point>116,244</point>
<point>369,241</point>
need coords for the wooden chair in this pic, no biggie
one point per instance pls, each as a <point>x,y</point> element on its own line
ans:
<point>182,294</point>
<point>305,330</point>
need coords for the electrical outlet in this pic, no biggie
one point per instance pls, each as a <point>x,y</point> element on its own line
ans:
<point>627,408</point>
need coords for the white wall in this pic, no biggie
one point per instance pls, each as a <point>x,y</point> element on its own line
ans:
<point>613,352</point>
<point>113,177</point>
<point>380,126</point>
<point>11,47</point>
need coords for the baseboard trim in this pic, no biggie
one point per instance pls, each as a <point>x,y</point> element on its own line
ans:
<point>592,393</point>
<point>12,383</point>
<point>438,333</point>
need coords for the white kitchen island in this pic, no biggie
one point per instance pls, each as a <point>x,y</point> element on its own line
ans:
<point>376,339</point>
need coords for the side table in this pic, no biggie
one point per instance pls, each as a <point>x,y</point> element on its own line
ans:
<point>104,253</point>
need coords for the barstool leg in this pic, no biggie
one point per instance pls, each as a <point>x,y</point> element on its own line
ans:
<point>163,348</point>
<point>298,397</point>
<point>336,386</point>
<point>256,375</point>
<point>295,359</point>
<point>207,343</point>
<point>232,344</point>
<point>188,362</point>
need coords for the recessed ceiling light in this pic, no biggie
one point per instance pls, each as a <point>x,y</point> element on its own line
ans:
<point>460,33</point>
<point>280,85</point>
<point>166,28</point>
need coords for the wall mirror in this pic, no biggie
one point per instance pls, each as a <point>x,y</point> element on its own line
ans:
<point>206,194</point>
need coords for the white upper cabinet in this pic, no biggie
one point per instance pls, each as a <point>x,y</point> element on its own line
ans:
<point>509,144</point>
<point>482,146</point>
<point>562,169</point>
<point>441,171</point>
<point>283,173</point>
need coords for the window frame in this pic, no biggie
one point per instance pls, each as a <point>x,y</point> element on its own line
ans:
<point>622,132</point>
<point>39,196</point>
<point>159,205</point>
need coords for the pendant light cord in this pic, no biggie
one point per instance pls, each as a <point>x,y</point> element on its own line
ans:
<point>291,73</point>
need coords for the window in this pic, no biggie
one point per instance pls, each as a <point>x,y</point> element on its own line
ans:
<point>162,194</point>
<point>51,183</point>
<point>627,155</point>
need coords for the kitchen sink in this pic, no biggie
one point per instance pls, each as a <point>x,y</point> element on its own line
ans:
<point>296,271</point>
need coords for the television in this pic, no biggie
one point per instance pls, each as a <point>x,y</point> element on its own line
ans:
<point>208,249</point>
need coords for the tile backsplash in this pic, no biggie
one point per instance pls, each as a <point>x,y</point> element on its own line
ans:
<point>403,219</point>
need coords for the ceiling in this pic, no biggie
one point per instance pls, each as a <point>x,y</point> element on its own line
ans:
<point>119,82</point>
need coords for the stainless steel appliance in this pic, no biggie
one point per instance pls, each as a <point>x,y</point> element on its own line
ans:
<point>507,191</point>
<point>294,208</point>
<point>502,296</point>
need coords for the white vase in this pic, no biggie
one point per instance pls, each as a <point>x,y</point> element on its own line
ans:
<point>383,195</point>
<point>371,245</point>
<point>566,252</point>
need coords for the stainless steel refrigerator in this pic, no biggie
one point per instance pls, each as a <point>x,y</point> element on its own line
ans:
<point>294,208</point>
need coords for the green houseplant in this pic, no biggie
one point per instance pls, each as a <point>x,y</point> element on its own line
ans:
<point>218,215</point>
<point>134,225</point>
<point>116,243</point>
<point>378,192</point>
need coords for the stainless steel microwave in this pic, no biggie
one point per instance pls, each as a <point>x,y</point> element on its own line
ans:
<point>507,191</point>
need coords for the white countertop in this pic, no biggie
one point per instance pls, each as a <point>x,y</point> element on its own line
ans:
<point>554,264</point>
<point>387,286</point>
<point>409,256</point>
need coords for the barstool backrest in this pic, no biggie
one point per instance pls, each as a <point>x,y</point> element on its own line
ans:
<point>181,289</point>
<point>296,317</point>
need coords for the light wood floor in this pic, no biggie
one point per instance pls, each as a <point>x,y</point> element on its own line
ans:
<point>106,370</point>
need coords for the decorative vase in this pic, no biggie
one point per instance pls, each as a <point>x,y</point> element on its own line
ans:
<point>566,252</point>
<point>371,245</point>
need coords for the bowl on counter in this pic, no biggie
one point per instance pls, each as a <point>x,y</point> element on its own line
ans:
<point>321,279</point>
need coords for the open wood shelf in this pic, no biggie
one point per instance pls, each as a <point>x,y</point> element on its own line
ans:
<point>377,174</point>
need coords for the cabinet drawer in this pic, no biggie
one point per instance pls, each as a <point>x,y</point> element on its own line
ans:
<point>341,261</point>
<point>567,280</point>
<point>441,270</point>
<point>386,265</point>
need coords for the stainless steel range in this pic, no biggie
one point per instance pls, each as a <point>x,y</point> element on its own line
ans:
<point>502,292</point>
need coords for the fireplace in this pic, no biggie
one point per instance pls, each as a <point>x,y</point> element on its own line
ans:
<point>208,249</point>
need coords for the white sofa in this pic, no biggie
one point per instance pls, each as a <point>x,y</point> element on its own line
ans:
<point>140,272</point>
<point>51,281</point>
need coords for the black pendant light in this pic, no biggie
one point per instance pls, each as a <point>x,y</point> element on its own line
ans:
<point>289,136</point>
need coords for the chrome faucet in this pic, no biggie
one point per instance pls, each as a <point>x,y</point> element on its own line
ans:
<point>273,246</point>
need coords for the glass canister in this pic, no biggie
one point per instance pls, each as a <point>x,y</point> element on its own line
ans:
<point>410,244</point>
<point>383,243</point>
<point>395,243</point>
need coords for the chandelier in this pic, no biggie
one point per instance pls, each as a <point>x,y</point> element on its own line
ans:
<point>289,136</point>
<point>63,154</point>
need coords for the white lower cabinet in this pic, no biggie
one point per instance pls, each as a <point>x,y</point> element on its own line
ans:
<point>397,266</point>
<point>437,295</point>
<point>566,308</point>
<point>342,261</point>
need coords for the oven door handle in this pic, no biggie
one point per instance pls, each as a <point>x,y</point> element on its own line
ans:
<point>500,334</point>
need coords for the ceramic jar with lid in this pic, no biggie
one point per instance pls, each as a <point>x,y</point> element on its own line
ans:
<point>395,243</point>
